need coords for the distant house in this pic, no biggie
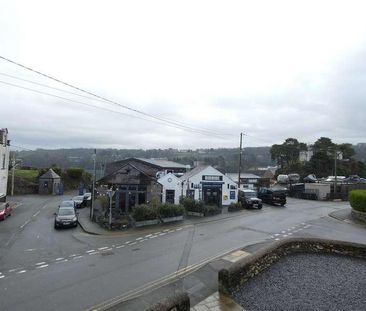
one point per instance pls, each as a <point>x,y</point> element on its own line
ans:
<point>135,180</point>
<point>247,180</point>
<point>4,163</point>
<point>209,185</point>
<point>49,183</point>
<point>171,188</point>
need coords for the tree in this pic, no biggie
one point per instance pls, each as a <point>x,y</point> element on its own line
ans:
<point>287,154</point>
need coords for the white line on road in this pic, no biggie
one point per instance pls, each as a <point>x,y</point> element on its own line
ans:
<point>153,237</point>
<point>143,240</point>
<point>178,229</point>
<point>120,246</point>
<point>40,263</point>
<point>74,255</point>
<point>90,251</point>
<point>41,267</point>
<point>77,257</point>
<point>164,233</point>
<point>94,253</point>
<point>30,249</point>
<point>147,236</point>
<point>23,225</point>
<point>2,276</point>
<point>34,215</point>
<point>138,239</point>
<point>109,249</point>
<point>21,271</point>
<point>13,270</point>
<point>133,243</point>
<point>157,232</point>
<point>277,234</point>
<point>101,248</point>
<point>128,242</point>
<point>61,258</point>
<point>65,260</point>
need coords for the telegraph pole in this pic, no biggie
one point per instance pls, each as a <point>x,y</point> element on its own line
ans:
<point>93,188</point>
<point>12,174</point>
<point>335,171</point>
<point>240,153</point>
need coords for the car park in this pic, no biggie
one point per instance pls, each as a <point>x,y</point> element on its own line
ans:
<point>248,199</point>
<point>5,210</point>
<point>272,196</point>
<point>66,217</point>
<point>79,201</point>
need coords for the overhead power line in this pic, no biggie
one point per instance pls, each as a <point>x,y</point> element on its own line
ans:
<point>182,125</point>
<point>106,109</point>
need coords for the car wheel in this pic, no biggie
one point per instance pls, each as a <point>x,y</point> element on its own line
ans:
<point>282,204</point>
<point>55,227</point>
<point>260,207</point>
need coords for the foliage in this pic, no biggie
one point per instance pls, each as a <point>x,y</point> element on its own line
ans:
<point>287,153</point>
<point>144,212</point>
<point>192,205</point>
<point>155,202</point>
<point>74,172</point>
<point>233,207</point>
<point>26,174</point>
<point>209,210</point>
<point>170,210</point>
<point>104,202</point>
<point>357,199</point>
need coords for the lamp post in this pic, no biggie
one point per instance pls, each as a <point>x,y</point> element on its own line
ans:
<point>111,194</point>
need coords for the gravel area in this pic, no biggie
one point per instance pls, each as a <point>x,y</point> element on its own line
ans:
<point>307,282</point>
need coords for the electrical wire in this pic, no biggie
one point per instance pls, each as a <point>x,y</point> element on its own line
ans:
<point>111,101</point>
<point>109,110</point>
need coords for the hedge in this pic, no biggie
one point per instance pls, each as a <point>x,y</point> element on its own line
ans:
<point>144,212</point>
<point>233,207</point>
<point>357,199</point>
<point>170,210</point>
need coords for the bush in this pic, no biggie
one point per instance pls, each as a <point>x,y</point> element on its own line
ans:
<point>233,207</point>
<point>144,212</point>
<point>357,199</point>
<point>170,210</point>
<point>209,210</point>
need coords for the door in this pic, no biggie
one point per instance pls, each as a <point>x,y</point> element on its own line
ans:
<point>169,196</point>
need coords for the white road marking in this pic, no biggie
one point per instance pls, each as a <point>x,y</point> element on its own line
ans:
<point>143,240</point>
<point>109,249</point>
<point>21,271</point>
<point>128,242</point>
<point>40,263</point>
<point>133,243</point>
<point>77,257</point>
<point>74,255</point>
<point>277,234</point>
<point>13,270</point>
<point>34,215</point>
<point>2,276</point>
<point>138,239</point>
<point>147,236</point>
<point>178,229</point>
<point>65,260</point>
<point>23,225</point>
<point>91,251</point>
<point>157,232</point>
<point>30,249</point>
<point>120,246</point>
<point>41,267</point>
<point>283,231</point>
<point>153,237</point>
<point>171,231</point>
<point>101,248</point>
<point>61,258</point>
<point>162,234</point>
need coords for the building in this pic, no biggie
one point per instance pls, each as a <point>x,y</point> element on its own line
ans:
<point>247,180</point>
<point>171,188</point>
<point>4,163</point>
<point>209,185</point>
<point>49,183</point>
<point>135,180</point>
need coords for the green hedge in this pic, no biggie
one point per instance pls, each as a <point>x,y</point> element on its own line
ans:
<point>233,207</point>
<point>357,199</point>
<point>170,210</point>
<point>144,212</point>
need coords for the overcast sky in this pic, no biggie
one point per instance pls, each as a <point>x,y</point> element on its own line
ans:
<point>272,69</point>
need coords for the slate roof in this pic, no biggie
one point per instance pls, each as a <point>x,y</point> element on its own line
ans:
<point>193,172</point>
<point>50,174</point>
<point>163,163</point>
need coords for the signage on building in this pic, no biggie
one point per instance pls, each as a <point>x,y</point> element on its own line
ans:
<point>232,195</point>
<point>211,177</point>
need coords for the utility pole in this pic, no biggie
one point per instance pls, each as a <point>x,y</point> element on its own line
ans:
<point>335,171</point>
<point>12,174</point>
<point>240,152</point>
<point>93,188</point>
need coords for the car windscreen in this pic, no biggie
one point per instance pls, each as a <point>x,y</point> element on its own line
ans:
<point>67,204</point>
<point>78,198</point>
<point>66,212</point>
<point>250,194</point>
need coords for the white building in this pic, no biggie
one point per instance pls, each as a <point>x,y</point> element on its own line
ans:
<point>247,180</point>
<point>4,163</point>
<point>209,185</point>
<point>171,188</point>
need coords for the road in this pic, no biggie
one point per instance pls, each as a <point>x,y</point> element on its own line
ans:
<point>42,268</point>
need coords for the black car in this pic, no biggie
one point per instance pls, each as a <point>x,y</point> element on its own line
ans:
<point>79,201</point>
<point>248,199</point>
<point>272,196</point>
<point>66,217</point>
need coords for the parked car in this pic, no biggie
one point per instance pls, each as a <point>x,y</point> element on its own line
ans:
<point>311,178</point>
<point>248,199</point>
<point>79,201</point>
<point>66,217</point>
<point>87,198</point>
<point>293,178</point>
<point>282,179</point>
<point>272,196</point>
<point>68,203</point>
<point>5,210</point>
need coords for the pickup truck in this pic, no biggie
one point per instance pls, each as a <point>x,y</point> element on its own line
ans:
<point>272,196</point>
